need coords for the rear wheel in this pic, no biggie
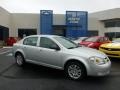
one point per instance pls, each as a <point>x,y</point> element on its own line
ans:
<point>75,70</point>
<point>19,59</point>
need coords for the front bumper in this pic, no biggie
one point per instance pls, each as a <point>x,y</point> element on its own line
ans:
<point>99,70</point>
<point>115,54</point>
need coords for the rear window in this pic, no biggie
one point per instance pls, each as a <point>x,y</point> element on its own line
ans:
<point>31,41</point>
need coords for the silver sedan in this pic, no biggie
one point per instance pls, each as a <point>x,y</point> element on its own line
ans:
<point>60,53</point>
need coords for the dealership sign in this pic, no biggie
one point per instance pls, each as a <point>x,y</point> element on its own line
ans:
<point>76,18</point>
<point>77,23</point>
<point>46,12</point>
<point>46,21</point>
<point>72,17</point>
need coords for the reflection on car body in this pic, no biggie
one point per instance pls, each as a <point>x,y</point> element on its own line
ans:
<point>61,53</point>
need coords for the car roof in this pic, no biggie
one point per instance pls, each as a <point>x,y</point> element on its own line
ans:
<point>41,35</point>
<point>98,36</point>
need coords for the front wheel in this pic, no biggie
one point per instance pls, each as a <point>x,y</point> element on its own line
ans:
<point>20,59</point>
<point>75,70</point>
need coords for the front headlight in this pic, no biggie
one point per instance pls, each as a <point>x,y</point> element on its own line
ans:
<point>98,60</point>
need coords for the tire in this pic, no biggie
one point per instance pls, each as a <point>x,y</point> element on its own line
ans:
<point>20,61</point>
<point>75,70</point>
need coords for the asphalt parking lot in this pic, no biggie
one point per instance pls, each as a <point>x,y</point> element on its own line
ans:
<point>34,77</point>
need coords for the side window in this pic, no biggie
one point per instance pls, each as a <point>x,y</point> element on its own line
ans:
<point>47,43</point>
<point>31,41</point>
<point>100,39</point>
<point>106,39</point>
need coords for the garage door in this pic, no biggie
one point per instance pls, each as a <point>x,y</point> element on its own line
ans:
<point>26,32</point>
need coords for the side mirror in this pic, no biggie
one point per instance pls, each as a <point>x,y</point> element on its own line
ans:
<point>54,47</point>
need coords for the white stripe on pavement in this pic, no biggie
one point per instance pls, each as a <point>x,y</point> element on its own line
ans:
<point>10,54</point>
<point>7,47</point>
<point>5,52</point>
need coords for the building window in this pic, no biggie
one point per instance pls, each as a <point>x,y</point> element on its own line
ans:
<point>92,33</point>
<point>22,32</point>
<point>112,23</point>
<point>112,35</point>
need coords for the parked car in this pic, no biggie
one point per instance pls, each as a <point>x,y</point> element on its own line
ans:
<point>95,41</point>
<point>61,53</point>
<point>117,40</point>
<point>10,41</point>
<point>80,39</point>
<point>111,49</point>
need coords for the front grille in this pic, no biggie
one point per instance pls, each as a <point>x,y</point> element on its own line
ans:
<point>112,54</point>
<point>110,49</point>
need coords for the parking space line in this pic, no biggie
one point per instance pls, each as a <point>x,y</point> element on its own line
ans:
<point>5,52</point>
<point>7,47</point>
<point>10,54</point>
<point>2,49</point>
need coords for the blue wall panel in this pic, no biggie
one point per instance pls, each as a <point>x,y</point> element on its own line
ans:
<point>46,21</point>
<point>77,23</point>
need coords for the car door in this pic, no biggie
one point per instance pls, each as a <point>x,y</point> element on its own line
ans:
<point>49,55</point>
<point>30,47</point>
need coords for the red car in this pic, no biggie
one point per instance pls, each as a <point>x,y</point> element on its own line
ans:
<point>95,41</point>
<point>10,41</point>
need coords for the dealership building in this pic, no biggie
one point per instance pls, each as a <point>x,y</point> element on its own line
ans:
<point>70,24</point>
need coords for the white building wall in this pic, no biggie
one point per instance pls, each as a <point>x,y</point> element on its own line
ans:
<point>4,17</point>
<point>95,25</point>
<point>59,19</point>
<point>102,28</point>
<point>106,14</point>
<point>26,21</point>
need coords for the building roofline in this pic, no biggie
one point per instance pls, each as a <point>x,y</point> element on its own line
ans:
<point>4,9</point>
<point>104,10</point>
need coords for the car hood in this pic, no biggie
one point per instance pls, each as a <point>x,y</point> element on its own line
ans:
<point>87,52</point>
<point>111,45</point>
<point>85,43</point>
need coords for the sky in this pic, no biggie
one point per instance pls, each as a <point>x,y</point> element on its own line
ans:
<point>58,6</point>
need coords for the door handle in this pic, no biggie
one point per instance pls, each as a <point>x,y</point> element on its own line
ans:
<point>24,47</point>
<point>40,49</point>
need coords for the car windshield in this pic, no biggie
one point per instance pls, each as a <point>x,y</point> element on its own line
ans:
<point>66,42</point>
<point>91,39</point>
<point>82,38</point>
